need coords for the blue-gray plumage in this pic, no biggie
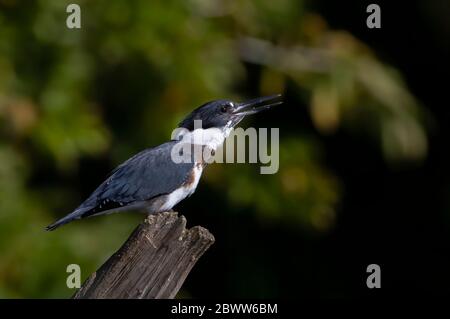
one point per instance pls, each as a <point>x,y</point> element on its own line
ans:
<point>151,180</point>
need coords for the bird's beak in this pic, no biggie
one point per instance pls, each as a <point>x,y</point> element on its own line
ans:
<point>257,105</point>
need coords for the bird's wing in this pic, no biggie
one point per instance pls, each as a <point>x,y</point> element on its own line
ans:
<point>147,174</point>
<point>144,176</point>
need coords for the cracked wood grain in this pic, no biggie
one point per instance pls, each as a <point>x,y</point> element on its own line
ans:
<point>152,263</point>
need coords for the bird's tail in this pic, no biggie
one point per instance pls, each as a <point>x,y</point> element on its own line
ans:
<point>76,214</point>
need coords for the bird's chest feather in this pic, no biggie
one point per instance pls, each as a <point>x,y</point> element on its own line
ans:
<point>186,189</point>
<point>194,177</point>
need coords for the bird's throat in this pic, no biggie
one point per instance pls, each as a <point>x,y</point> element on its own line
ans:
<point>211,137</point>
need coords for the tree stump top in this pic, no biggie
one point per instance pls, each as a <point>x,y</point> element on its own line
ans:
<point>152,263</point>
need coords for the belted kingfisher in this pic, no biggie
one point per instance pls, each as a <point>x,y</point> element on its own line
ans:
<point>151,180</point>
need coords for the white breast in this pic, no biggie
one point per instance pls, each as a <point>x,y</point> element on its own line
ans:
<point>184,191</point>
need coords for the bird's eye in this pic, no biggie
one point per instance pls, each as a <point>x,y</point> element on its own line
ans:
<point>225,107</point>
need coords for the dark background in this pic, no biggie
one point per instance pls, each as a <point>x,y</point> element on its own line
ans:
<point>397,218</point>
<point>405,224</point>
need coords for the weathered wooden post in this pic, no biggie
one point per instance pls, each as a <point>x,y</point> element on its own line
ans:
<point>152,263</point>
